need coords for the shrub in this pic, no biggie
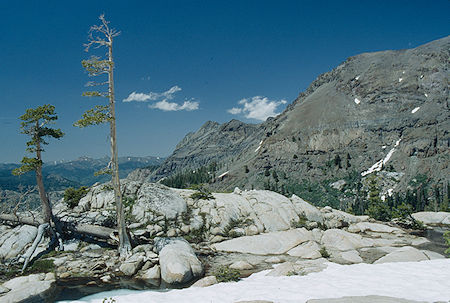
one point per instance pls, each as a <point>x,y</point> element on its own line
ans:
<point>195,236</point>
<point>202,194</point>
<point>300,223</point>
<point>128,201</point>
<point>323,251</point>
<point>107,187</point>
<point>72,196</point>
<point>186,216</point>
<point>111,220</point>
<point>447,239</point>
<point>402,211</point>
<point>236,223</point>
<point>41,266</point>
<point>379,211</point>
<point>225,274</point>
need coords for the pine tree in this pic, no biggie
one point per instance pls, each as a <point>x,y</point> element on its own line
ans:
<point>33,124</point>
<point>377,208</point>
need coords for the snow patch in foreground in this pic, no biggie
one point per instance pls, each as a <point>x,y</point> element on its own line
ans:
<point>420,281</point>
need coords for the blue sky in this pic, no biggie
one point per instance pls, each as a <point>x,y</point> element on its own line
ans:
<point>186,62</point>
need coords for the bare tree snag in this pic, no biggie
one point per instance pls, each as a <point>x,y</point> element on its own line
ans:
<point>102,36</point>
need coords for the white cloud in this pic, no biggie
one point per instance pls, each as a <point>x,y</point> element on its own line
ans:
<point>164,105</point>
<point>258,108</point>
<point>235,110</point>
<point>162,100</point>
<point>151,96</point>
<point>139,97</point>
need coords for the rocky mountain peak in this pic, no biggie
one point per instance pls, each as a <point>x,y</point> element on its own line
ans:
<point>376,112</point>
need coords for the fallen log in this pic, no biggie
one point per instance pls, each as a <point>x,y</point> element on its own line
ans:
<point>91,230</point>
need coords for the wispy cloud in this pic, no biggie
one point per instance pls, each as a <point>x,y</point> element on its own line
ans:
<point>172,106</point>
<point>151,96</point>
<point>163,100</point>
<point>139,97</point>
<point>258,108</point>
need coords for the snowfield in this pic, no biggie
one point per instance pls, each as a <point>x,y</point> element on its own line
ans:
<point>421,281</point>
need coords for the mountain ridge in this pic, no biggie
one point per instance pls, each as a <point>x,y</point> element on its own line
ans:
<point>345,122</point>
<point>79,172</point>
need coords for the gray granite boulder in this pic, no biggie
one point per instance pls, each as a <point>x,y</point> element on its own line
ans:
<point>433,218</point>
<point>403,254</point>
<point>307,210</point>
<point>178,262</point>
<point>32,288</point>
<point>206,281</point>
<point>273,243</point>
<point>14,241</point>
<point>338,239</point>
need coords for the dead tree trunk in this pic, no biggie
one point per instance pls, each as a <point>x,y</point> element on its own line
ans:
<point>124,241</point>
<point>90,230</point>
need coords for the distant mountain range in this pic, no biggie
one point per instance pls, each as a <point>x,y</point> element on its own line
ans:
<point>384,113</point>
<point>62,174</point>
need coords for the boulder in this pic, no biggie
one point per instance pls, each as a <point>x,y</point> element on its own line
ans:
<point>374,227</point>
<point>132,265</point>
<point>338,239</point>
<point>283,269</point>
<point>273,243</point>
<point>14,241</point>
<point>155,197</point>
<point>149,198</point>
<point>403,254</point>
<point>304,267</point>
<point>347,257</point>
<point>307,250</point>
<point>273,260</point>
<point>301,267</point>
<point>432,255</point>
<point>433,218</point>
<point>72,245</point>
<point>275,211</point>
<point>32,288</point>
<point>307,210</point>
<point>151,274</point>
<point>3,290</point>
<point>338,219</point>
<point>178,261</point>
<point>241,265</point>
<point>206,281</point>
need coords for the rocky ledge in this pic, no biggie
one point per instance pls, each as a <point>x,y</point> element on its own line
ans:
<point>182,235</point>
